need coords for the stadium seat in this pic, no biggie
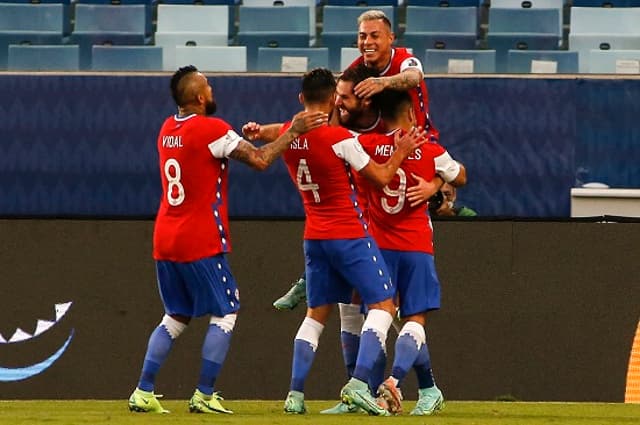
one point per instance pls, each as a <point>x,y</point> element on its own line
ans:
<point>231,3</point>
<point>42,24</point>
<point>362,3</point>
<point>438,61</point>
<point>614,61</point>
<point>542,62</point>
<point>284,26</point>
<point>293,59</point>
<point>340,29</point>
<point>108,25</point>
<point>604,29</point>
<point>606,3</point>
<point>531,4</point>
<point>446,3</point>
<point>441,28</point>
<point>43,58</point>
<point>310,4</point>
<point>347,56</point>
<point>522,29</point>
<point>213,58</point>
<point>126,58</point>
<point>181,25</point>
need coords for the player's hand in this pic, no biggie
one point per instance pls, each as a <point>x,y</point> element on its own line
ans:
<point>251,131</point>
<point>446,209</point>
<point>421,192</point>
<point>303,122</point>
<point>369,87</point>
<point>410,140</point>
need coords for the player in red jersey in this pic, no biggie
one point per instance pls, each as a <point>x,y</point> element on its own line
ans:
<point>404,234</point>
<point>340,255</point>
<point>191,235</point>
<point>398,69</point>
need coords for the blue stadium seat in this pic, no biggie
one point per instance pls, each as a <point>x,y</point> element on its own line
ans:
<point>44,24</point>
<point>108,25</point>
<point>362,3</point>
<point>441,28</point>
<point>44,58</point>
<point>539,61</point>
<point>606,3</point>
<point>126,58</point>
<point>181,25</point>
<point>459,61</point>
<point>213,58</point>
<point>604,29</point>
<point>271,27</point>
<point>522,29</point>
<point>531,4</point>
<point>446,3</point>
<point>611,61</point>
<point>230,3</point>
<point>347,56</point>
<point>276,59</point>
<point>311,4</point>
<point>340,29</point>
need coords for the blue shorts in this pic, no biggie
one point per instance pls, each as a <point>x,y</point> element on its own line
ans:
<point>198,288</point>
<point>416,280</point>
<point>337,266</point>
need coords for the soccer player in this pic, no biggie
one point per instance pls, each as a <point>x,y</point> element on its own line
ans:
<point>340,255</point>
<point>191,235</point>
<point>405,236</point>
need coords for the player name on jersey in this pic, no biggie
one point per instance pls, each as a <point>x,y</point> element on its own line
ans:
<point>171,142</point>
<point>300,144</point>
<point>387,150</point>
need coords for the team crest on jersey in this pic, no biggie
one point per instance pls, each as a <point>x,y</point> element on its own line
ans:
<point>412,62</point>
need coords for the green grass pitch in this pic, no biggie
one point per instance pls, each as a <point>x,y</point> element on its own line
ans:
<point>252,412</point>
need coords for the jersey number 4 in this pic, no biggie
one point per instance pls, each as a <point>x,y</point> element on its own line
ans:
<point>175,189</point>
<point>303,179</point>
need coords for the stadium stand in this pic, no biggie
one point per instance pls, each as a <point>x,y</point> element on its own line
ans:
<point>542,62</point>
<point>438,61</point>
<point>278,26</point>
<point>310,4</point>
<point>606,3</point>
<point>339,29</point>
<point>214,58</point>
<point>182,25</point>
<point>604,29</point>
<point>614,61</point>
<point>446,3</point>
<point>43,58</point>
<point>441,28</point>
<point>126,58</point>
<point>293,59</point>
<point>347,56</point>
<point>363,3</point>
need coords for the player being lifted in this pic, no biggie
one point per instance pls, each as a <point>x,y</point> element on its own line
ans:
<point>191,234</point>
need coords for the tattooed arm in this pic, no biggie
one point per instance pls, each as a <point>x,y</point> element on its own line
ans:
<point>407,79</point>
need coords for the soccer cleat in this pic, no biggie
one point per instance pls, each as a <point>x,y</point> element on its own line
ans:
<point>294,403</point>
<point>356,393</point>
<point>341,409</point>
<point>430,401</point>
<point>390,396</point>
<point>292,298</point>
<point>202,403</point>
<point>145,402</point>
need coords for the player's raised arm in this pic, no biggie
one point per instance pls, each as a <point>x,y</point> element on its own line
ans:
<point>260,158</point>
<point>268,133</point>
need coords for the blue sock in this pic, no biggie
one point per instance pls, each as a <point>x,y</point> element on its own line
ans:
<point>303,355</point>
<point>423,370</point>
<point>374,334</point>
<point>214,351</point>
<point>377,373</point>
<point>350,345</point>
<point>406,353</point>
<point>160,343</point>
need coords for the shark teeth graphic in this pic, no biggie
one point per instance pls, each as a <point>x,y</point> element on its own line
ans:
<point>41,326</point>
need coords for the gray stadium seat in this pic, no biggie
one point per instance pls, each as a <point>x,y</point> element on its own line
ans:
<point>439,61</point>
<point>285,59</point>
<point>43,58</point>
<point>181,25</point>
<point>347,56</point>
<point>285,26</point>
<point>446,3</point>
<point>614,61</point>
<point>606,3</point>
<point>441,28</point>
<point>540,61</point>
<point>126,58</point>
<point>311,4</point>
<point>340,29</point>
<point>213,58</point>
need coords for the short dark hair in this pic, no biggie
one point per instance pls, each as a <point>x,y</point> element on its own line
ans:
<point>391,102</point>
<point>318,85</point>
<point>358,73</point>
<point>177,89</point>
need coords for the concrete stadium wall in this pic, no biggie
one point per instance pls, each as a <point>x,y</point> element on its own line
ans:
<point>533,310</point>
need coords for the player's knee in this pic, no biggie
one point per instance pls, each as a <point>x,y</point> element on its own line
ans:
<point>173,326</point>
<point>226,323</point>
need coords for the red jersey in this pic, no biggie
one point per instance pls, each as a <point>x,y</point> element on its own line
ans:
<point>192,221</point>
<point>394,223</point>
<point>319,163</point>
<point>401,59</point>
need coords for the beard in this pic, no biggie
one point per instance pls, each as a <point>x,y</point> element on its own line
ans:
<point>350,119</point>
<point>210,107</point>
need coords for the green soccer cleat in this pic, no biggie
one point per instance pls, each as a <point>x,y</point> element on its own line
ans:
<point>145,402</point>
<point>390,396</point>
<point>294,403</point>
<point>356,393</point>
<point>297,293</point>
<point>342,409</point>
<point>202,403</point>
<point>430,401</point>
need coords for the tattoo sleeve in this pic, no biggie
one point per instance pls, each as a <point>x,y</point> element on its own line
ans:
<point>260,158</point>
<point>407,79</point>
